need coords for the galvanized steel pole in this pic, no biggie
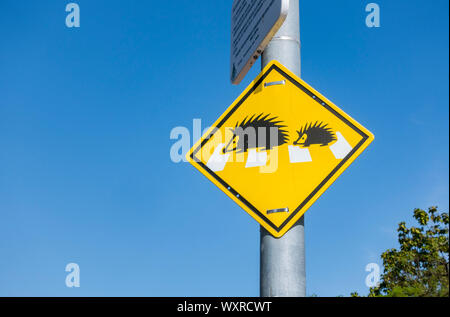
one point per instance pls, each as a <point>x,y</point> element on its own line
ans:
<point>282,261</point>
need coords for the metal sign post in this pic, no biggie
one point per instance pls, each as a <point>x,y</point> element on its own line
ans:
<point>282,260</point>
<point>275,151</point>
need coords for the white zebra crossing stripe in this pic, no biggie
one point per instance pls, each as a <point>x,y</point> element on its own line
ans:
<point>217,161</point>
<point>256,159</point>
<point>341,148</point>
<point>299,155</point>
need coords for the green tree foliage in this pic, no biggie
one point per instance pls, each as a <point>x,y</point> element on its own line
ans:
<point>420,266</point>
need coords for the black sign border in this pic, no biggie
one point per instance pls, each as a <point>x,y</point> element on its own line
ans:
<point>313,96</point>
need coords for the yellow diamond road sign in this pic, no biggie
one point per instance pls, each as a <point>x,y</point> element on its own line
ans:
<point>278,147</point>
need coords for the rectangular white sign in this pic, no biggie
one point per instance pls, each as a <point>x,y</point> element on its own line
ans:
<point>253,24</point>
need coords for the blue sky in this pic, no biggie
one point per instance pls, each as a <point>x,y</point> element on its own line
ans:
<point>85,119</point>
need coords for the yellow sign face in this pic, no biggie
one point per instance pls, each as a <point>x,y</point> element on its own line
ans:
<point>278,147</point>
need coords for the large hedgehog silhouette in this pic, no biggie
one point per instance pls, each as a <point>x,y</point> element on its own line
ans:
<point>255,132</point>
<point>315,134</point>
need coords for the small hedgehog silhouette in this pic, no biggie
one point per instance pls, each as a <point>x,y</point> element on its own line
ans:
<point>315,134</point>
<point>260,126</point>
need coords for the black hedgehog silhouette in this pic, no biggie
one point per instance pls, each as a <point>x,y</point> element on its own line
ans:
<point>315,134</point>
<point>244,138</point>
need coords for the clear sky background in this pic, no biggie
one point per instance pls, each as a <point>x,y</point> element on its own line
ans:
<point>85,119</point>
